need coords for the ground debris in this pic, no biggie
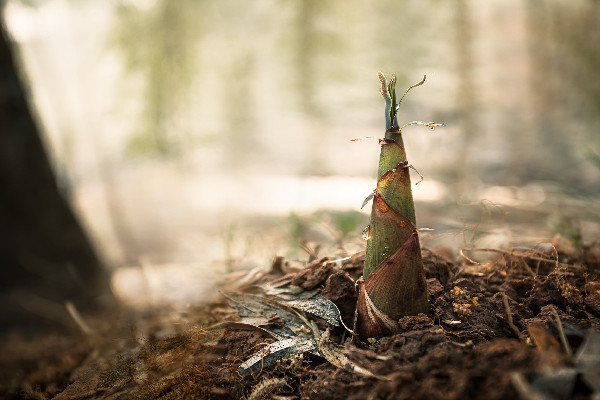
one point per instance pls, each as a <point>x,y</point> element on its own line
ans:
<point>334,355</point>
<point>277,351</point>
<point>296,334</point>
<point>558,382</point>
<point>266,387</point>
<point>510,345</point>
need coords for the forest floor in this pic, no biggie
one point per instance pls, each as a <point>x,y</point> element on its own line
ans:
<point>525,325</point>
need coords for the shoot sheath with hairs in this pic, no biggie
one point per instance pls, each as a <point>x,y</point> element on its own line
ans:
<point>393,283</point>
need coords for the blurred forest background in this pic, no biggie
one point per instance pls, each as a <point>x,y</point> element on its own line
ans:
<point>193,137</point>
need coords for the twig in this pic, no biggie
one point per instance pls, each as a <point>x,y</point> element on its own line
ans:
<point>266,351</point>
<point>509,315</point>
<point>516,252</point>
<point>481,332</point>
<point>267,386</point>
<point>312,253</point>
<point>73,313</point>
<point>561,331</point>
<point>431,125</point>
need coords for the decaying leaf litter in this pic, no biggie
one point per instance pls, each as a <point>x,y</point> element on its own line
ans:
<point>524,325</point>
<point>494,327</point>
<point>507,344</point>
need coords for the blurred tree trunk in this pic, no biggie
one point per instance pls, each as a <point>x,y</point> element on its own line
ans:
<point>45,257</point>
<point>466,99</point>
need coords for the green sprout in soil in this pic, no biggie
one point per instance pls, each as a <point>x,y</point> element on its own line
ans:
<point>393,283</point>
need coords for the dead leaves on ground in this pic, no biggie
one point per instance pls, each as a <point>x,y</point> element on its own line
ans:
<point>292,317</point>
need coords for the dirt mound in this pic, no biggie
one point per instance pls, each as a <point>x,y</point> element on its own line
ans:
<point>525,325</point>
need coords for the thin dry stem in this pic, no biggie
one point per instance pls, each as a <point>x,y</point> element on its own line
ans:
<point>486,206</point>
<point>313,253</point>
<point>515,252</point>
<point>561,331</point>
<point>74,313</point>
<point>267,386</point>
<point>509,315</point>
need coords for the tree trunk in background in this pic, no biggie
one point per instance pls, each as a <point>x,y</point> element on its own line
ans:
<point>45,257</point>
<point>466,100</point>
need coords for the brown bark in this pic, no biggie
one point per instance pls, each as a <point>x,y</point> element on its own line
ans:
<point>45,256</point>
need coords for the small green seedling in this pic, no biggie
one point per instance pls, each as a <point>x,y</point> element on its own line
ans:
<point>393,283</point>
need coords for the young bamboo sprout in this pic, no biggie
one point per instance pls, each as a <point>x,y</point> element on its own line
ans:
<point>393,283</point>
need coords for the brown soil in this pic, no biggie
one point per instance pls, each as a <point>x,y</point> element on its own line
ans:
<point>493,330</point>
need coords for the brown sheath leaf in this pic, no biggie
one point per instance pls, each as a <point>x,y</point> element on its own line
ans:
<point>397,286</point>
<point>370,320</point>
